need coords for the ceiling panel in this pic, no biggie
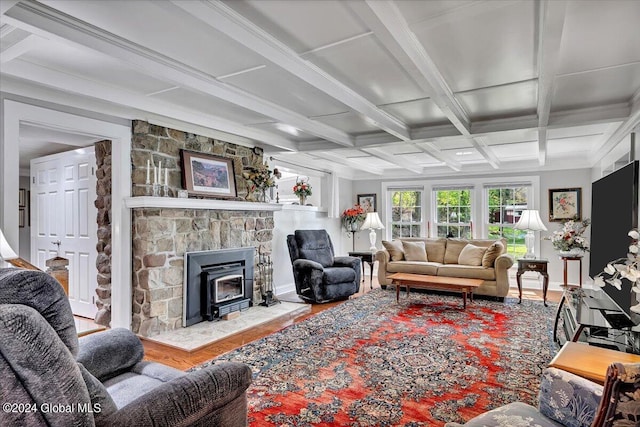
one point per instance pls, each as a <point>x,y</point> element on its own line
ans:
<point>516,151</point>
<point>599,34</point>
<point>93,65</point>
<point>491,47</point>
<point>418,112</point>
<point>586,130</point>
<point>419,11</point>
<point>508,137</point>
<point>452,143</point>
<point>366,66</point>
<point>465,155</point>
<point>576,145</point>
<point>11,36</point>
<point>602,87</point>
<point>286,131</point>
<point>302,25</point>
<point>350,122</point>
<point>206,104</point>
<point>156,24</point>
<point>288,91</point>
<point>501,101</point>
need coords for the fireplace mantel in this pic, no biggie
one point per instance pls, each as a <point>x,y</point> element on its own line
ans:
<point>224,205</point>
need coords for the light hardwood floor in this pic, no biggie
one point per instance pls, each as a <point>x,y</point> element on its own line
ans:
<point>183,360</point>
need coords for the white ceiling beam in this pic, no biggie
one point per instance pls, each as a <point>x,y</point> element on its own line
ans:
<point>550,24</point>
<point>20,48</point>
<point>433,81</point>
<point>342,160</point>
<point>223,18</point>
<point>388,157</point>
<point>74,84</point>
<point>625,128</point>
<point>5,5</point>
<point>36,17</point>
<point>431,149</point>
<point>480,144</point>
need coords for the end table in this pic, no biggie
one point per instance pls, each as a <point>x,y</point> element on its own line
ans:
<point>369,258</point>
<point>539,265</point>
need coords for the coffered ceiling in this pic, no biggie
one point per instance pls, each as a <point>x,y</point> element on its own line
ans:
<point>369,88</point>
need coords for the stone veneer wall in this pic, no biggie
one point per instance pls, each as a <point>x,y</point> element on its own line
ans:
<point>103,247</point>
<point>162,236</point>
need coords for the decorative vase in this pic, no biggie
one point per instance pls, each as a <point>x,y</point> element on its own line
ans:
<point>573,252</point>
<point>353,226</point>
<point>262,196</point>
<point>303,199</point>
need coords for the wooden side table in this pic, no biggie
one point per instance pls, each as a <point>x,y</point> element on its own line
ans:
<point>565,260</point>
<point>539,265</point>
<point>369,258</point>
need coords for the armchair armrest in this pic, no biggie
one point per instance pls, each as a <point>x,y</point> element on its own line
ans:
<point>568,398</point>
<point>307,264</point>
<point>110,353</point>
<point>347,261</point>
<point>198,398</point>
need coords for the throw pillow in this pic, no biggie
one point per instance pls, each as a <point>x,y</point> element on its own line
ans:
<point>471,255</point>
<point>492,252</point>
<point>414,251</point>
<point>395,249</point>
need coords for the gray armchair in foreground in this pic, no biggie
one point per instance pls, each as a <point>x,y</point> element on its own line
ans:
<point>319,276</point>
<point>51,378</point>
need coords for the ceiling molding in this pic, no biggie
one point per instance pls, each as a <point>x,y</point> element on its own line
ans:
<point>432,150</point>
<point>223,18</point>
<point>20,48</point>
<point>78,85</point>
<point>590,115</point>
<point>342,160</point>
<point>550,24</point>
<point>628,126</point>
<point>480,144</point>
<point>41,18</point>
<point>390,16</point>
<point>387,157</point>
<point>5,5</point>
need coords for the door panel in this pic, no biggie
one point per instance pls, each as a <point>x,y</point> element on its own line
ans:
<point>64,211</point>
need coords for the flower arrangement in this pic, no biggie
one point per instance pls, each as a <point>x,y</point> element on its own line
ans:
<point>261,176</point>
<point>302,187</point>
<point>624,268</point>
<point>351,216</point>
<point>570,236</point>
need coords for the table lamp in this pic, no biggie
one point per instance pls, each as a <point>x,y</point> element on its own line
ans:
<point>9,255</point>
<point>373,223</point>
<point>530,221</point>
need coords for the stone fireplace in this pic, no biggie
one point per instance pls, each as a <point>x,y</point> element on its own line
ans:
<point>162,235</point>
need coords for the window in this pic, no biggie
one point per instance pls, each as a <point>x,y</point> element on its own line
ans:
<point>453,212</point>
<point>406,213</point>
<point>505,205</point>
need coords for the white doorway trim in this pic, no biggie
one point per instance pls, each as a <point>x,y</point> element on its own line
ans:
<point>13,113</point>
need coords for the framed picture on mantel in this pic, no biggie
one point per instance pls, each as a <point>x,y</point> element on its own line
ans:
<point>208,175</point>
<point>565,204</point>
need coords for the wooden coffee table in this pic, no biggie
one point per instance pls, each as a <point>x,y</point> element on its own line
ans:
<point>408,280</point>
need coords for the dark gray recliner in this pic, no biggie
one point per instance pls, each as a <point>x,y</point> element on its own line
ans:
<point>320,276</point>
<point>100,379</point>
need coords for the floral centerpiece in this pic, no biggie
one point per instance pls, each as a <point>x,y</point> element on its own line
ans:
<point>261,178</point>
<point>352,218</point>
<point>624,268</point>
<point>569,239</point>
<point>302,189</point>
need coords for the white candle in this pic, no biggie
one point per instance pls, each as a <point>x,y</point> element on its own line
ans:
<point>166,176</point>
<point>155,175</point>
<point>160,172</point>
<point>148,171</point>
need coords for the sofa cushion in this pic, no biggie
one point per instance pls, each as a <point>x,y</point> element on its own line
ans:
<point>466,271</point>
<point>452,252</point>
<point>471,255</point>
<point>315,245</point>
<point>415,251</point>
<point>416,267</point>
<point>395,249</point>
<point>492,252</point>
<point>436,249</point>
<point>336,275</point>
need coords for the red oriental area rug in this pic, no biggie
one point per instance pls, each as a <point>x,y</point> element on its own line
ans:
<point>423,362</point>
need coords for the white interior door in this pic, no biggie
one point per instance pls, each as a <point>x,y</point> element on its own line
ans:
<point>63,192</point>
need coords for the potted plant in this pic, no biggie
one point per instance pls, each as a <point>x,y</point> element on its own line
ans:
<point>302,189</point>
<point>569,240</point>
<point>352,218</point>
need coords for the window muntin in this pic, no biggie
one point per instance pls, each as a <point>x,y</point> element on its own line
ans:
<point>505,205</point>
<point>453,213</point>
<point>406,213</point>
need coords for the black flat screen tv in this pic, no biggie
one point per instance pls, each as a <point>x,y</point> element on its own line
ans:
<point>614,212</point>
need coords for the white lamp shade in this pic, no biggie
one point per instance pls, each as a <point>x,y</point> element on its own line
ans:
<point>530,220</point>
<point>5,250</point>
<point>372,221</point>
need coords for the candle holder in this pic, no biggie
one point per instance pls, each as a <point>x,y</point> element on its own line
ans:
<point>156,190</point>
<point>165,190</point>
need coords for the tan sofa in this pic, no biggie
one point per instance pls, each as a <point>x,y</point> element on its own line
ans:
<point>442,260</point>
